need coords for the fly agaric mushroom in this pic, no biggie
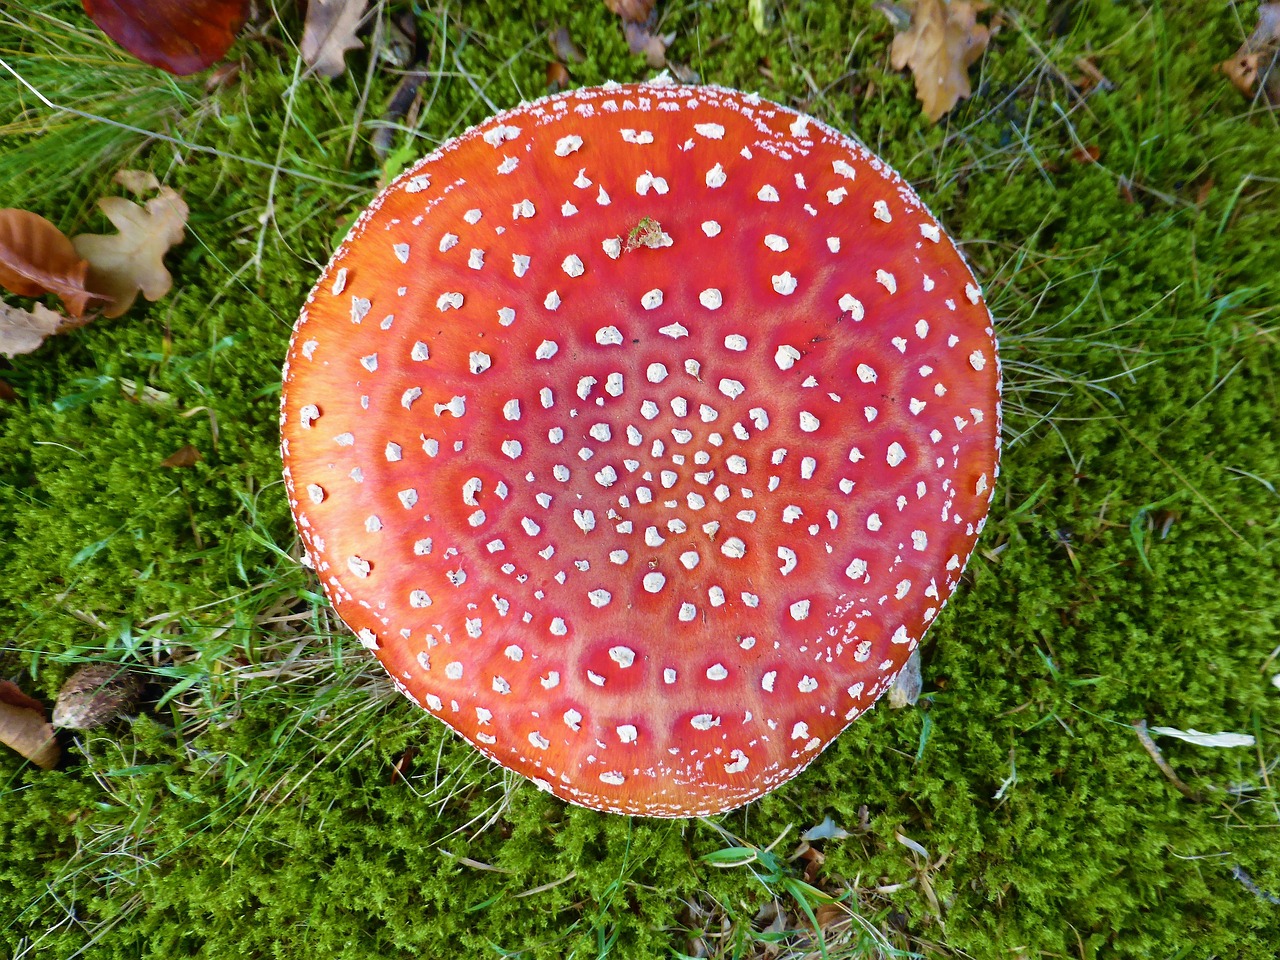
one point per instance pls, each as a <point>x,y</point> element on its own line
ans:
<point>641,432</point>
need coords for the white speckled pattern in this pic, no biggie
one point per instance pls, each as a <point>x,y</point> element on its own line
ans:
<point>641,432</point>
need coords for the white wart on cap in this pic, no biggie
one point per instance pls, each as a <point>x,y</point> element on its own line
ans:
<point>641,432</point>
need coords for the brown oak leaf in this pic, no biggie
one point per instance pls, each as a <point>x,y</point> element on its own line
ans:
<point>943,41</point>
<point>23,727</point>
<point>329,32</point>
<point>37,258</point>
<point>132,260</point>
<point>22,331</point>
<point>1258,58</point>
<point>181,36</point>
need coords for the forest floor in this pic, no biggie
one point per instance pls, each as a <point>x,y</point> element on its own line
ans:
<point>273,796</point>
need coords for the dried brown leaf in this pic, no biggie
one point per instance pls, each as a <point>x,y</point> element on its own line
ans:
<point>22,331</point>
<point>563,47</point>
<point>132,260</point>
<point>1258,57</point>
<point>943,41</point>
<point>402,767</point>
<point>557,77</point>
<point>23,727</point>
<point>137,182</point>
<point>187,456</point>
<point>635,11</point>
<point>37,258</point>
<point>652,45</point>
<point>329,32</point>
<point>830,915</point>
<point>1086,154</point>
<point>181,36</point>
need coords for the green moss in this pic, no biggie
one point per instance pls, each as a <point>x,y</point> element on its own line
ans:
<point>255,813</point>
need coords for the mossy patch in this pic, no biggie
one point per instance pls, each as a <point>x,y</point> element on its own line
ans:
<point>1129,570</point>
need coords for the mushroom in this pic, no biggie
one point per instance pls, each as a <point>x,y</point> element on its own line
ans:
<point>641,432</point>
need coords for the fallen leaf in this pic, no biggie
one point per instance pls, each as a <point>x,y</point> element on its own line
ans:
<point>563,47</point>
<point>223,75</point>
<point>1087,154</point>
<point>137,182</point>
<point>943,41</point>
<point>22,331</point>
<point>1258,57</point>
<point>180,36</point>
<point>132,260</point>
<point>23,727</point>
<point>557,77</point>
<point>829,915</point>
<point>632,10</point>
<point>652,45</point>
<point>329,32</point>
<point>37,258</point>
<point>683,72</point>
<point>187,456</point>
<point>97,694</point>
<point>905,690</point>
<point>1207,739</point>
<point>402,767</point>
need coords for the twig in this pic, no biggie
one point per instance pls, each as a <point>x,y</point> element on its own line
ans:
<point>1238,872</point>
<point>1141,727</point>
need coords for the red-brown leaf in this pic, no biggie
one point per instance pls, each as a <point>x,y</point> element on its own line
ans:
<point>23,727</point>
<point>37,258</point>
<point>187,456</point>
<point>181,36</point>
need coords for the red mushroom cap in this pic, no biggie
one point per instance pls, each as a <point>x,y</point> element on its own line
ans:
<point>641,432</point>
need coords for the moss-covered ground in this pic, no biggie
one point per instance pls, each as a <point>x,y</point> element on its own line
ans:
<point>252,808</point>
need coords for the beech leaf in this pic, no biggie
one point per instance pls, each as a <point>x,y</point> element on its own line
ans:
<point>23,727</point>
<point>180,36</point>
<point>132,260</point>
<point>329,32</point>
<point>943,41</point>
<point>37,258</point>
<point>22,331</point>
